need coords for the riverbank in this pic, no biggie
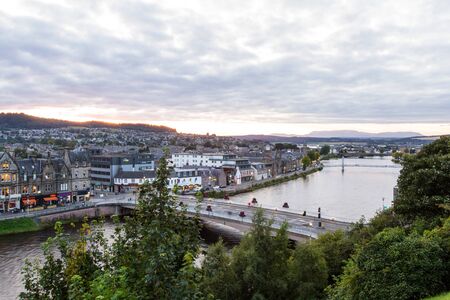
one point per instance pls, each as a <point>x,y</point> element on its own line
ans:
<point>19,225</point>
<point>261,185</point>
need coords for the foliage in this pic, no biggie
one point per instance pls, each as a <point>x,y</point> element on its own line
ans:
<point>424,183</point>
<point>306,162</point>
<point>393,265</point>
<point>151,255</point>
<point>18,225</point>
<point>264,266</point>
<point>218,280</point>
<point>336,248</point>
<point>307,273</point>
<point>313,155</point>
<point>325,150</point>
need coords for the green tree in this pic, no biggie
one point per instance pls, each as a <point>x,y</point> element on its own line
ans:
<point>260,262</point>
<point>336,248</point>
<point>325,150</point>
<point>307,273</point>
<point>151,255</point>
<point>393,265</point>
<point>424,183</point>
<point>218,279</point>
<point>313,155</point>
<point>306,162</point>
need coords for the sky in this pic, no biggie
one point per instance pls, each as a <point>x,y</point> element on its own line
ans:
<point>231,67</point>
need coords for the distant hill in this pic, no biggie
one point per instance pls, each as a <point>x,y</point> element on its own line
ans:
<point>331,140</point>
<point>23,121</point>
<point>360,134</point>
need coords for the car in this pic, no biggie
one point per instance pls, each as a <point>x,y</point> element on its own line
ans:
<point>14,210</point>
<point>209,208</point>
<point>242,214</point>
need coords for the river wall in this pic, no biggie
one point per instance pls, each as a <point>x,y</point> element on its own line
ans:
<point>78,215</point>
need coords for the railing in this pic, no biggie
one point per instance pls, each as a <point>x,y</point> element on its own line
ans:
<point>363,166</point>
<point>301,230</point>
<point>44,212</point>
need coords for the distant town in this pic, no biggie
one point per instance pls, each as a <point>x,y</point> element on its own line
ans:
<point>48,167</point>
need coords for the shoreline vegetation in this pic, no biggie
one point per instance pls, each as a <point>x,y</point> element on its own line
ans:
<point>20,225</point>
<point>257,186</point>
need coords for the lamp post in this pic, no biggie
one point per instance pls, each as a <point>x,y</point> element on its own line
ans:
<point>318,216</point>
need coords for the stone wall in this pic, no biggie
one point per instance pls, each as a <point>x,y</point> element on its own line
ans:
<point>91,212</point>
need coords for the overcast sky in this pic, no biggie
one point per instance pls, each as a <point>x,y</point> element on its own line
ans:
<point>231,67</point>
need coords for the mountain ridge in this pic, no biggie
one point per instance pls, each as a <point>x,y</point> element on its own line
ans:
<point>24,121</point>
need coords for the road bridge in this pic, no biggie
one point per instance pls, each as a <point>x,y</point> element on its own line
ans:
<point>239,215</point>
<point>363,166</point>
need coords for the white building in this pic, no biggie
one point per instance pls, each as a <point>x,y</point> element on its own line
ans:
<point>214,160</point>
<point>126,181</point>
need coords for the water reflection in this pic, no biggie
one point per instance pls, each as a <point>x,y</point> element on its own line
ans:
<point>348,195</point>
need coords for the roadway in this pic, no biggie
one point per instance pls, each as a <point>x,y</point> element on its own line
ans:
<point>223,210</point>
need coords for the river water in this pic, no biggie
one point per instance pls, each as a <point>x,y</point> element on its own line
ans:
<point>346,196</point>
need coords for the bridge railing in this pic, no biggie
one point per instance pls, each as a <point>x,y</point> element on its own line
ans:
<point>292,228</point>
<point>49,211</point>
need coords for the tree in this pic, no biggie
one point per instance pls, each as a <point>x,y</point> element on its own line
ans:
<point>218,279</point>
<point>151,255</point>
<point>336,248</point>
<point>260,261</point>
<point>313,155</point>
<point>424,183</point>
<point>325,150</point>
<point>307,273</point>
<point>306,162</point>
<point>393,265</point>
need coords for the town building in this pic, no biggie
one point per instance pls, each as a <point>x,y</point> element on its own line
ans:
<point>9,176</point>
<point>215,160</point>
<point>79,165</point>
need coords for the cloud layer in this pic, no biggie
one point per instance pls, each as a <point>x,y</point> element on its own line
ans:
<point>240,61</point>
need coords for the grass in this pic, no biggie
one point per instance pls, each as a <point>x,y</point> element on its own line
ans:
<point>445,296</point>
<point>18,225</point>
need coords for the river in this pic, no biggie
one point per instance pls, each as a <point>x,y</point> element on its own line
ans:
<point>346,196</point>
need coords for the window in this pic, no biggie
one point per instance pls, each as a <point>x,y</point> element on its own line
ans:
<point>5,191</point>
<point>5,177</point>
<point>34,176</point>
<point>64,187</point>
<point>34,189</point>
<point>25,177</point>
<point>25,190</point>
<point>5,165</point>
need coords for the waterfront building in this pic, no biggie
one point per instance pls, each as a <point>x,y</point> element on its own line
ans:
<point>9,175</point>
<point>129,181</point>
<point>105,167</point>
<point>44,182</point>
<point>260,171</point>
<point>79,165</point>
<point>215,160</point>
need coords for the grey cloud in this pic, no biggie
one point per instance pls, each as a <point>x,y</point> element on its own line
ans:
<point>266,64</point>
